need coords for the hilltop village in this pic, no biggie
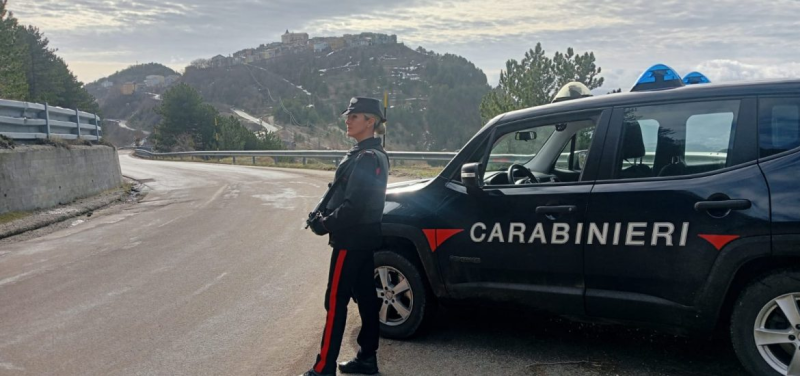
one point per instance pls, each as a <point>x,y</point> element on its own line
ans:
<point>300,42</point>
<point>291,43</point>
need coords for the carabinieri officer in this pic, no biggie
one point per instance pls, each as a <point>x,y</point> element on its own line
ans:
<point>353,220</point>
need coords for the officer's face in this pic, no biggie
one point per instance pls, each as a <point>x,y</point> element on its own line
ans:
<point>358,126</point>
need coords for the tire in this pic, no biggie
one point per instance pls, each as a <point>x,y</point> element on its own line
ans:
<point>407,303</point>
<point>761,308</point>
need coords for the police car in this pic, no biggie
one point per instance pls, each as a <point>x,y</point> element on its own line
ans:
<point>675,205</point>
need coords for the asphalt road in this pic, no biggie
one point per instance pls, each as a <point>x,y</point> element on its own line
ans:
<point>213,274</point>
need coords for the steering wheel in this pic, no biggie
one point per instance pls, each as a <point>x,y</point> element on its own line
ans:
<point>528,174</point>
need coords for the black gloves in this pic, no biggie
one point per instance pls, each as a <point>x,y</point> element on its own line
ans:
<point>317,227</point>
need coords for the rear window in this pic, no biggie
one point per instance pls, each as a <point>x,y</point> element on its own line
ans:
<point>778,125</point>
<point>677,139</point>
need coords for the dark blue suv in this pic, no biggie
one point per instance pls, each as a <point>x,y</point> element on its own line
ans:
<point>677,208</point>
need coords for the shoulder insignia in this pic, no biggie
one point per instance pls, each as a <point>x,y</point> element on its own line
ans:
<point>369,152</point>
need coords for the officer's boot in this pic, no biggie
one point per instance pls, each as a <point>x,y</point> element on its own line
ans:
<point>368,366</point>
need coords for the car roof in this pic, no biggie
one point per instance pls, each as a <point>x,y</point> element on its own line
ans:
<point>689,92</point>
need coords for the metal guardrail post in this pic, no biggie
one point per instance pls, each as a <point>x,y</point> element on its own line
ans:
<point>96,128</point>
<point>304,161</point>
<point>47,119</point>
<point>234,159</point>
<point>254,161</point>
<point>78,121</point>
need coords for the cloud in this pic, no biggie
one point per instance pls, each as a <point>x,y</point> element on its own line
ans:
<point>155,29</point>
<point>626,37</point>
<point>731,70</point>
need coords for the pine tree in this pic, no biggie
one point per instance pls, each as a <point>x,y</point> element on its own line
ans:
<point>537,78</point>
<point>49,79</point>
<point>186,121</point>
<point>13,84</point>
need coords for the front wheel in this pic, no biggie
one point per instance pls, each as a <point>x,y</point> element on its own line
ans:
<point>765,326</point>
<point>406,301</point>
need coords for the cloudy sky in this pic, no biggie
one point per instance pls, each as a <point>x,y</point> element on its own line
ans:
<point>725,39</point>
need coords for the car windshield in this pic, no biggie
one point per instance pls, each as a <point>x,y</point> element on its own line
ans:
<point>518,147</point>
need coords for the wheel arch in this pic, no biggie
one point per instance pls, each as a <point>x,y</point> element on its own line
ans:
<point>738,264</point>
<point>408,239</point>
<point>750,271</point>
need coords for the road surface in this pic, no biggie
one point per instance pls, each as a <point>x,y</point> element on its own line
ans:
<point>213,274</point>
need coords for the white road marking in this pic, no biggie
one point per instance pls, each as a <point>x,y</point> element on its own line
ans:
<point>17,277</point>
<point>119,292</point>
<point>208,286</point>
<point>214,197</point>
<point>170,221</point>
<point>131,245</point>
<point>10,367</point>
<point>305,183</point>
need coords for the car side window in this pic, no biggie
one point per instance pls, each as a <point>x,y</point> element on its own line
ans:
<point>676,139</point>
<point>778,125</point>
<point>573,156</point>
<point>518,147</point>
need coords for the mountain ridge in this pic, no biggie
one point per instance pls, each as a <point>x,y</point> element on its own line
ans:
<point>433,98</point>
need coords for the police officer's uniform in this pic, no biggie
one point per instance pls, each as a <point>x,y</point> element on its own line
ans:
<point>353,221</point>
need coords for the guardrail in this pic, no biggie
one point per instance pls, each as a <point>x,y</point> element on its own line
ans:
<point>30,121</point>
<point>692,158</point>
<point>300,154</point>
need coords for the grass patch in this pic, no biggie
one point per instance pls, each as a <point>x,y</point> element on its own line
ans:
<point>12,216</point>
<point>67,144</point>
<point>57,142</point>
<point>6,142</point>
<point>418,172</point>
<point>411,169</point>
<point>105,142</point>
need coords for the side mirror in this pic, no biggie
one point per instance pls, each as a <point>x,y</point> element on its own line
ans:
<point>525,136</point>
<point>470,175</point>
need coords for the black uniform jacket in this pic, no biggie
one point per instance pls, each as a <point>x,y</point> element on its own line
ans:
<point>354,213</point>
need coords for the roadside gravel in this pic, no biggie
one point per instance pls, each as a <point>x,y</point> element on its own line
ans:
<point>45,221</point>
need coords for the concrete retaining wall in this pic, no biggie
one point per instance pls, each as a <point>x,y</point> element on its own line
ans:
<point>38,177</point>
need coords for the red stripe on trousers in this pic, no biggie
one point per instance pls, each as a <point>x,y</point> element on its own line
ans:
<point>331,312</point>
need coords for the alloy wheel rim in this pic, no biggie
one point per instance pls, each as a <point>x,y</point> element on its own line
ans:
<point>395,296</point>
<point>777,334</point>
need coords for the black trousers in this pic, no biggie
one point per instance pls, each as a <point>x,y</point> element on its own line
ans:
<point>351,275</point>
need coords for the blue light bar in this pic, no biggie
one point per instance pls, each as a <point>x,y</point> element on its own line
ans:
<point>696,78</point>
<point>658,77</point>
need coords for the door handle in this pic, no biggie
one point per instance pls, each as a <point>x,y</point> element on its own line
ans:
<point>561,209</point>
<point>722,205</point>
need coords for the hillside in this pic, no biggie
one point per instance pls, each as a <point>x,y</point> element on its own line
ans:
<point>136,109</point>
<point>135,73</point>
<point>434,98</point>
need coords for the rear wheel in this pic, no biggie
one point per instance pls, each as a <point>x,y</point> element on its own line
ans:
<point>406,301</point>
<point>765,326</point>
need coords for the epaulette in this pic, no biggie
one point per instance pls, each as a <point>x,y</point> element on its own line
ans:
<point>369,152</point>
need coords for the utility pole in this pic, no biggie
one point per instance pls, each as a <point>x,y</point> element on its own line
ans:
<point>385,105</point>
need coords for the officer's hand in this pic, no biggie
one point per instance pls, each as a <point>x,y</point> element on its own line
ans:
<point>317,227</point>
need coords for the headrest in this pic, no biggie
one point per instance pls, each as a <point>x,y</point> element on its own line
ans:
<point>633,144</point>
